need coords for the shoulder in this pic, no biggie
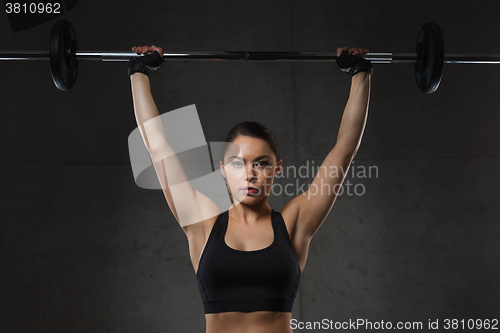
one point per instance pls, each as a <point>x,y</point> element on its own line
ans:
<point>200,231</point>
<point>296,220</point>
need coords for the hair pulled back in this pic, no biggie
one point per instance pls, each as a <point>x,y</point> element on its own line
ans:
<point>256,130</point>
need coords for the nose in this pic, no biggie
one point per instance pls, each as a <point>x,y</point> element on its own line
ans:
<point>250,173</point>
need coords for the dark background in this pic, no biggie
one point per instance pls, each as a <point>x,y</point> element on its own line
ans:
<point>84,249</point>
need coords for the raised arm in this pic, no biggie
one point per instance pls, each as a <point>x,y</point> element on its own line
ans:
<point>144,105</point>
<point>355,114</point>
<point>313,206</point>
<point>187,205</point>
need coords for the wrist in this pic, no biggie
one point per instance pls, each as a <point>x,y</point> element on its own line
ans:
<point>361,77</point>
<point>138,74</point>
<point>139,77</point>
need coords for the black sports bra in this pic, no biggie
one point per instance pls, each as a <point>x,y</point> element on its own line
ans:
<point>260,280</point>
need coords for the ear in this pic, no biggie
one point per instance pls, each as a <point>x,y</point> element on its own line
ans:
<point>278,168</point>
<point>222,171</point>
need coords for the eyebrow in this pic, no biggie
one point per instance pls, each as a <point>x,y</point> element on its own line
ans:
<point>257,158</point>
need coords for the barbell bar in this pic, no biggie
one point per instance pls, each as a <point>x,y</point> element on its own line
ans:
<point>376,58</point>
<point>429,57</point>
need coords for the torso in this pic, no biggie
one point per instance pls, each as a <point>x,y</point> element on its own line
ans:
<point>255,238</point>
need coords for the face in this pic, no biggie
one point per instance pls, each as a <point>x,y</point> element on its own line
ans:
<point>253,165</point>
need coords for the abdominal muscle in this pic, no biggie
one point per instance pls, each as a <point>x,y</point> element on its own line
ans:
<point>249,322</point>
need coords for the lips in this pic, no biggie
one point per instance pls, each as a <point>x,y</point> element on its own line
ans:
<point>250,190</point>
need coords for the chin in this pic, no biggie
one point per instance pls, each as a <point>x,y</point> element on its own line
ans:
<point>248,199</point>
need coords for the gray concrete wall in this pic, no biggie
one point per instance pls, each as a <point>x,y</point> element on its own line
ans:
<point>83,249</point>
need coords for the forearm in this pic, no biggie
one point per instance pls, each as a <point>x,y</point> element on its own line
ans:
<point>168,166</point>
<point>355,113</point>
<point>145,110</point>
<point>144,105</point>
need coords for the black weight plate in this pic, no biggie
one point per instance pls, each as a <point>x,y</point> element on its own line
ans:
<point>430,58</point>
<point>62,53</point>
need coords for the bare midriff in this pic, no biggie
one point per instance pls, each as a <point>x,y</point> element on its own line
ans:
<point>249,322</point>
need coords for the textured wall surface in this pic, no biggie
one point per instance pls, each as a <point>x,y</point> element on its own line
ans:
<point>84,249</point>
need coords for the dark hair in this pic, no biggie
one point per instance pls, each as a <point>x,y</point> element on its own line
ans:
<point>256,130</point>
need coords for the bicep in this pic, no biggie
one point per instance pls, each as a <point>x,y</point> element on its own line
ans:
<point>188,205</point>
<point>314,205</point>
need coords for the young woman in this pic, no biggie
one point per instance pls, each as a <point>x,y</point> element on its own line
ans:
<point>248,259</point>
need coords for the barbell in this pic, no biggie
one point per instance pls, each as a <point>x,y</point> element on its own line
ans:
<point>429,56</point>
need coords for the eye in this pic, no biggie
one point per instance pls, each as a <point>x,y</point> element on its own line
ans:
<point>235,164</point>
<point>262,163</point>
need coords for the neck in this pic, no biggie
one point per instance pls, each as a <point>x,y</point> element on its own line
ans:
<point>250,213</point>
